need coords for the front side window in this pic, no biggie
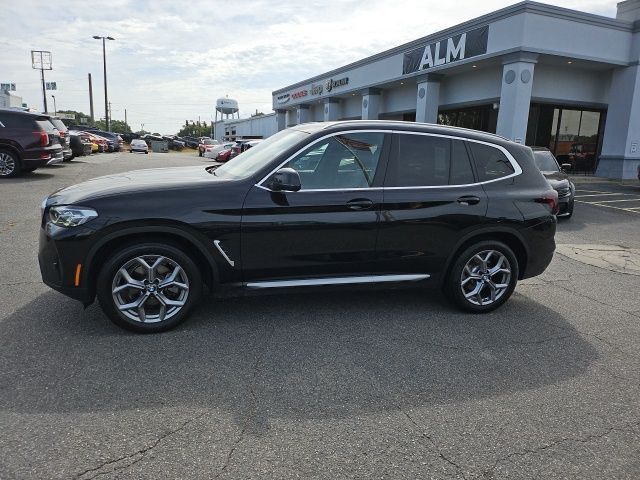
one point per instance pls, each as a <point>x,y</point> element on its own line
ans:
<point>491,163</point>
<point>344,161</point>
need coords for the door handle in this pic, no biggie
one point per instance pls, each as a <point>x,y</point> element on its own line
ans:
<point>469,200</point>
<point>359,204</point>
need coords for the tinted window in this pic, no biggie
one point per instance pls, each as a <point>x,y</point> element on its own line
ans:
<point>58,124</point>
<point>461,170</point>
<point>13,120</point>
<point>545,161</point>
<point>46,125</point>
<point>340,162</point>
<point>422,160</point>
<point>491,163</point>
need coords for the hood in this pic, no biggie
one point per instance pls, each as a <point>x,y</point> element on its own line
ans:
<point>136,181</point>
<point>556,178</point>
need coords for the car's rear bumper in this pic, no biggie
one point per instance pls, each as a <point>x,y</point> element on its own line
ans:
<point>540,245</point>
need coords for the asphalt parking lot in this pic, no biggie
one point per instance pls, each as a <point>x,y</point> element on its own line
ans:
<point>337,384</point>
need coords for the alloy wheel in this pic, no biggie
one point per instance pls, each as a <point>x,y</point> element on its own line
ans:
<point>150,288</point>
<point>485,278</point>
<point>7,164</point>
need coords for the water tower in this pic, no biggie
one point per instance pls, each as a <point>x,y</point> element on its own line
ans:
<point>226,107</point>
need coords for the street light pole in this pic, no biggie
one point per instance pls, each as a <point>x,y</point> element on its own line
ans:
<point>104,64</point>
<point>55,109</point>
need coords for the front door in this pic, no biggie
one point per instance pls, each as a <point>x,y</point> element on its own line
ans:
<point>329,227</point>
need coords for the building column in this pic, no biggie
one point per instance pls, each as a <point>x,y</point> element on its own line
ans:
<point>281,119</point>
<point>428,98</point>
<point>515,95</point>
<point>331,109</point>
<point>620,155</point>
<point>370,104</point>
<point>302,114</point>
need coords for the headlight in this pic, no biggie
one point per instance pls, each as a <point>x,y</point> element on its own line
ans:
<point>68,216</point>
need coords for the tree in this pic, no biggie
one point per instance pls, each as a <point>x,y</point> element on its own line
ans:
<point>257,114</point>
<point>117,126</point>
<point>193,130</point>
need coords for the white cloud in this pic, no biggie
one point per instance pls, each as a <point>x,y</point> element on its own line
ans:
<point>170,60</point>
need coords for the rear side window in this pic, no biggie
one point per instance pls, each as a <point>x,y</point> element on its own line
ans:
<point>425,161</point>
<point>491,163</point>
<point>46,125</point>
<point>12,120</point>
<point>59,124</point>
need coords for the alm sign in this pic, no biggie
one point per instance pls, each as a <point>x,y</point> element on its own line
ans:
<point>457,47</point>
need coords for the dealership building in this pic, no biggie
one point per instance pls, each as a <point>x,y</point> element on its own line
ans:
<point>533,73</point>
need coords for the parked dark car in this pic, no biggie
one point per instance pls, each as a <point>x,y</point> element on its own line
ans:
<point>115,140</point>
<point>67,153</point>
<point>80,143</point>
<point>384,202</point>
<point>191,142</point>
<point>127,137</point>
<point>27,141</point>
<point>557,178</point>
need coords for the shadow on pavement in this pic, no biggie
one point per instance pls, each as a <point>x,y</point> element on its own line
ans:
<point>322,354</point>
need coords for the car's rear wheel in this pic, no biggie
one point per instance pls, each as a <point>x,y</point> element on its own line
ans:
<point>9,164</point>
<point>149,287</point>
<point>482,277</point>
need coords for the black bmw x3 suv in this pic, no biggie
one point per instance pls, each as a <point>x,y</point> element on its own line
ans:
<point>319,204</point>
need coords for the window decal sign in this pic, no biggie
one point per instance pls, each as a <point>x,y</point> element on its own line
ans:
<point>457,47</point>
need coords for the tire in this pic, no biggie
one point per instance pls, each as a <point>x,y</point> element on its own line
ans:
<point>128,258</point>
<point>199,153</point>
<point>10,165</point>
<point>484,300</point>
<point>569,210</point>
<point>146,153</point>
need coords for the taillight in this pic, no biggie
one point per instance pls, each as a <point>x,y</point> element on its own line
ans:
<point>61,134</point>
<point>44,138</point>
<point>550,198</point>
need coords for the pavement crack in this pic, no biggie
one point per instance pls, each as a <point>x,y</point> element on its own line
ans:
<point>257,371</point>
<point>433,443</point>
<point>138,454</point>
<point>488,473</point>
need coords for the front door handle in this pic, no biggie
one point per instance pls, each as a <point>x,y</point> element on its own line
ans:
<point>359,204</point>
<point>469,200</point>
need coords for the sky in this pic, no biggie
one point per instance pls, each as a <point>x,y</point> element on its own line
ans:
<point>170,61</point>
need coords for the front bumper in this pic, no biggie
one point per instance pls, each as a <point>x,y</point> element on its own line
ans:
<point>59,260</point>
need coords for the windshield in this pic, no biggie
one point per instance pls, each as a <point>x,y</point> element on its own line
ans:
<point>545,161</point>
<point>252,160</point>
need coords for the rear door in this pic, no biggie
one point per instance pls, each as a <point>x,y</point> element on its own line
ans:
<point>431,199</point>
<point>329,227</point>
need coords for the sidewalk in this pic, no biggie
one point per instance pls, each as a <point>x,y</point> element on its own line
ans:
<point>588,179</point>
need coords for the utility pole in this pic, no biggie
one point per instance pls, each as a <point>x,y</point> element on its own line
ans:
<point>55,108</point>
<point>104,65</point>
<point>125,118</point>
<point>41,60</point>
<point>91,99</point>
<point>109,117</point>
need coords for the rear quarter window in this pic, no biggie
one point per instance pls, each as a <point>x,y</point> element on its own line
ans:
<point>46,125</point>
<point>491,163</point>
<point>12,120</point>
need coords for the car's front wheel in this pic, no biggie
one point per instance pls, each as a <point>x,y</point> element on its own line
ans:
<point>149,287</point>
<point>482,277</point>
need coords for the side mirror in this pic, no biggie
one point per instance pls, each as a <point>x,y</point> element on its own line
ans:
<point>566,167</point>
<point>285,180</point>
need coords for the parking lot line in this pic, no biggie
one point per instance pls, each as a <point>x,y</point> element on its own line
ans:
<point>600,194</point>
<point>631,209</point>
<point>622,200</point>
<point>590,191</point>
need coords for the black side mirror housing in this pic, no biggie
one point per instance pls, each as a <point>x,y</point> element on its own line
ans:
<point>565,167</point>
<point>285,180</point>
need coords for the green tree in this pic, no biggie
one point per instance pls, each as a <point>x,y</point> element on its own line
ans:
<point>193,130</point>
<point>117,126</point>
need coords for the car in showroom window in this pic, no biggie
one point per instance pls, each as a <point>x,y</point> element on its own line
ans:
<point>338,203</point>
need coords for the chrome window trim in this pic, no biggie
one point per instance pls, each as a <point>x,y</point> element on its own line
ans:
<point>514,163</point>
<point>308,282</point>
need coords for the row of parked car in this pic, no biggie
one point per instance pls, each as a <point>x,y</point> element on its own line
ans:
<point>226,150</point>
<point>31,140</point>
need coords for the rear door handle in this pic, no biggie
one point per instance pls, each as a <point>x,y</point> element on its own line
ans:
<point>359,204</point>
<point>469,200</point>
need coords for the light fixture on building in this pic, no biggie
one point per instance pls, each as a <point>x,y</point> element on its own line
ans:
<point>474,66</point>
<point>569,62</point>
<point>401,83</point>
